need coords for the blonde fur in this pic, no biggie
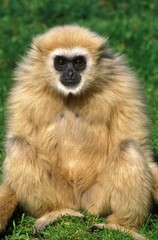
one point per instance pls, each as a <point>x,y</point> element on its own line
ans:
<point>87,149</point>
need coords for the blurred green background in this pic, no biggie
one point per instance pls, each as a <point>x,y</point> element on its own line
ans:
<point>132,28</point>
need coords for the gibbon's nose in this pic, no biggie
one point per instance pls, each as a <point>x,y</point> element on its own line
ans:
<point>70,73</point>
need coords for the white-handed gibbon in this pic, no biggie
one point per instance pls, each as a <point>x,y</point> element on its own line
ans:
<point>77,135</point>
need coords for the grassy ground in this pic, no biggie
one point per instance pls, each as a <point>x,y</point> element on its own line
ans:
<point>132,27</point>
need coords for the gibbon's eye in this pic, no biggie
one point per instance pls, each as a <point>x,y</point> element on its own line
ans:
<point>60,63</point>
<point>79,63</point>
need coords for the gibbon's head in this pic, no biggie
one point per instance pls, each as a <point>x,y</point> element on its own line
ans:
<point>70,57</point>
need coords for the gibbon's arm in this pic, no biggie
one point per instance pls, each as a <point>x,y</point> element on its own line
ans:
<point>8,203</point>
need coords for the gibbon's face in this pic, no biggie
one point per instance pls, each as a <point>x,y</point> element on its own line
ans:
<point>70,56</point>
<point>71,66</point>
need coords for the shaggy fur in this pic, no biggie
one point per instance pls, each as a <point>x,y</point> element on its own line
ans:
<point>88,150</point>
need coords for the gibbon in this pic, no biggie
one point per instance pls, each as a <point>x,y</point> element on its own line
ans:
<point>77,135</point>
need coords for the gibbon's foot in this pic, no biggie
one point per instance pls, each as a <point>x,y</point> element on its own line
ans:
<point>135,235</point>
<point>53,216</point>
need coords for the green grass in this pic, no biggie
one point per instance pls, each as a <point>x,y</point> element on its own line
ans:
<point>132,27</point>
<point>69,228</point>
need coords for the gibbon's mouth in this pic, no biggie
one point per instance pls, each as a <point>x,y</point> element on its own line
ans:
<point>70,82</point>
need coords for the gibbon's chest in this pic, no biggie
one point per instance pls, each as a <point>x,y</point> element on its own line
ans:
<point>79,145</point>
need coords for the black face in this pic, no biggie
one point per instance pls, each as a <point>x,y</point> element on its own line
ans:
<point>70,69</point>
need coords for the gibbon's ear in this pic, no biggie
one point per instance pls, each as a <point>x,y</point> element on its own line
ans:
<point>39,45</point>
<point>36,43</point>
<point>105,52</point>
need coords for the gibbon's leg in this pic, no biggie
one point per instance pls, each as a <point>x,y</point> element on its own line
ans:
<point>53,216</point>
<point>8,203</point>
<point>115,227</point>
<point>131,189</point>
<point>154,171</point>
